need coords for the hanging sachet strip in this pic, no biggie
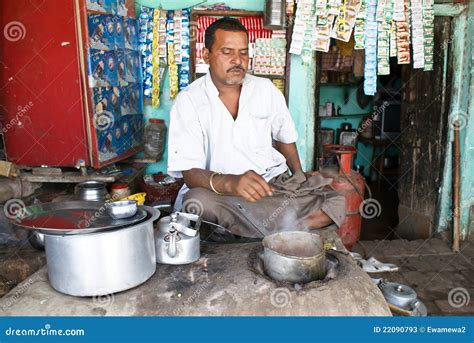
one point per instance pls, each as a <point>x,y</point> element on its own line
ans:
<point>370,68</point>
<point>384,16</point>
<point>304,12</point>
<point>417,34</point>
<point>428,31</point>
<point>359,29</point>
<point>403,34</point>
<point>173,67</point>
<point>185,51</point>
<point>146,48</point>
<point>155,97</point>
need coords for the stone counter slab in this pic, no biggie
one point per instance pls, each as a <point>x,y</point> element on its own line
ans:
<point>220,283</point>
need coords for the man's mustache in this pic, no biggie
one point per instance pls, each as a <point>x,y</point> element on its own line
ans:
<point>236,68</point>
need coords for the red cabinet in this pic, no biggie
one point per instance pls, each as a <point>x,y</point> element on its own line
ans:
<point>46,102</point>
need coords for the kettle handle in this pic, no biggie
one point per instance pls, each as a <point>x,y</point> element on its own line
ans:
<point>172,243</point>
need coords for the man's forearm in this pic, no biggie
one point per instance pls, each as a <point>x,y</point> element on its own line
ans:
<point>197,177</point>
<point>291,154</point>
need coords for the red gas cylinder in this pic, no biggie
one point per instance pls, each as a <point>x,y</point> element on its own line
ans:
<point>351,184</point>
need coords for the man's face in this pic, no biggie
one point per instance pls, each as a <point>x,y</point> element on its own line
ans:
<point>229,57</point>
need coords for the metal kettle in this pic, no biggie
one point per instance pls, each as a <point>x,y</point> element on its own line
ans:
<point>177,241</point>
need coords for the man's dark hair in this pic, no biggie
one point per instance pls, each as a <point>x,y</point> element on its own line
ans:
<point>227,24</point>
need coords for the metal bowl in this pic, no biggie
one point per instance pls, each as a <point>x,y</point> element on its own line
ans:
<point>122,209</point>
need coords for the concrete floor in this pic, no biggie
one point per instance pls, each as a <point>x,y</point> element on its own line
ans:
<point>444,281</point>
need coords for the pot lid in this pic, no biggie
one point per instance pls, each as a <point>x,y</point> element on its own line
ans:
<point>398,294</point>
<point>72,217</point>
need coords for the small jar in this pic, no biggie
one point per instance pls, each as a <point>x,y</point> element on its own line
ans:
<point>155,132</point>
<point>119,191</point>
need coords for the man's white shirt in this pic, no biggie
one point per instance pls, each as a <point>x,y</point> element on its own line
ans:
<point>203,134</point>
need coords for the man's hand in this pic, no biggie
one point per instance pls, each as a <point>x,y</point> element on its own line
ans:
<point>250,186</point>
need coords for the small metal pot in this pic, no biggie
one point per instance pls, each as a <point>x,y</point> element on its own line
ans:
<point>91,191</point>
<point>294,256</point>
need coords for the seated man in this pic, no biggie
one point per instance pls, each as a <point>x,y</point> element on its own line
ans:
<point>222,130</point>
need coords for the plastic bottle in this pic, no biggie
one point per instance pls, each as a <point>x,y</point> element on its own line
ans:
<point>155,131</point>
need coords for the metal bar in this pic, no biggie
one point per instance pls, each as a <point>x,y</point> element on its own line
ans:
<point>456,190</point>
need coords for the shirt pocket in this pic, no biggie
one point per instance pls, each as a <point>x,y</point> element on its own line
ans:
<point>260,129</point>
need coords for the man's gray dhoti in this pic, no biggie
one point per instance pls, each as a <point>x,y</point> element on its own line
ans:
<point>295,197</point>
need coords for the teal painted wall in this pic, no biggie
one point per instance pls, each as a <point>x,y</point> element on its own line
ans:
<point>462,106</point>
<point>302,107</point>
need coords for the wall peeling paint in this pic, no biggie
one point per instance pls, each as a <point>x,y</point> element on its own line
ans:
<point>462,106</point>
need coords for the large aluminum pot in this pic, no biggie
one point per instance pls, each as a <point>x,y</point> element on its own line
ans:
<point>294,256</point>
<point>105,262</point>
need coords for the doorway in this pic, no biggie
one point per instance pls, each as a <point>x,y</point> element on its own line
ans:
<point>400,133</point>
